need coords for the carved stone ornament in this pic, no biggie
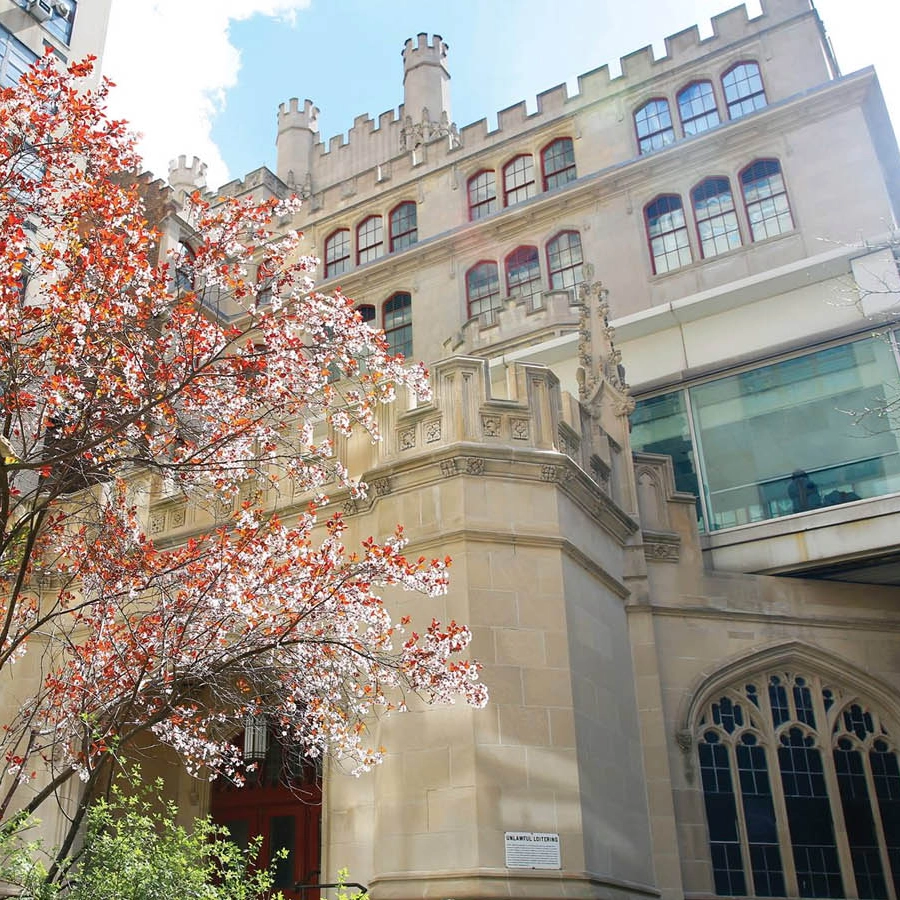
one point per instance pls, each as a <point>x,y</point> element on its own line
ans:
<point>661,551</point>
<point>382,486</point>
<point>475,465</point>
<point>448,467</point>
<point>432,431</point>
<point>178,517</point>
<point>407,439</point>
<point>519,429</point>
<point>157,523</point>
<point>350,507</point>
<point>490,426</point>
<point>551,473</point>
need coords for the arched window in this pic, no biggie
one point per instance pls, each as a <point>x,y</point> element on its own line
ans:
<point>398,324</point>
<point>523,275</point>
<point>404,228</point>
<point>558,163</point>
<point>564,259</point>
<point>366,312</point>
<point>744,91</point>
<point>369,240</point>
<point>802,789</point>
<point>263,286</point>
<point>483,290</point>
<point>518,180</point>
<point>184,267</point>
<point>337,253</point>
<point>482,194</point>
<point>668,235</point>
<point>717,223</point>
<point>654,126</point>
<point>766,200</point>
<point>697,107</point>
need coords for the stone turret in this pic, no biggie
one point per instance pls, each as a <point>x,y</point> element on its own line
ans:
<point>298,132</point>
<point>185,178</point>
<point>426,91</point>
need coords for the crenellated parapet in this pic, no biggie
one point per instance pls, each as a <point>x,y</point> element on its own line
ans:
<point>186,177</point>
<point>422,136</point>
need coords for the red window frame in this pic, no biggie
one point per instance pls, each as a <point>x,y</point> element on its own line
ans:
<point>558,163</point>
<point>337,258</point>
<point>366,312</point>
<point>718,230</point>
<point>488,302</point>
<point>369,239</point>
<point>565,270</point>
<point>759,213</point>
<point>518,179</point>
<point>404,226</point>
<point>482,197</point>
<point>522,261</point>
<point>735,104</point>
<point>672,240</point>
<point>702,115</point>
<point>397,317</point>
<point>654,130</point>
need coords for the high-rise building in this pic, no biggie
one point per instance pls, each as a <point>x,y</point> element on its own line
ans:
<point>72,29</point>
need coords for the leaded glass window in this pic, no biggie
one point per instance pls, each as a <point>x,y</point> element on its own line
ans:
<point>801,788</point>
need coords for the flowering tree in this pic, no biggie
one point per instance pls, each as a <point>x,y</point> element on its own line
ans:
<point>112,380</point>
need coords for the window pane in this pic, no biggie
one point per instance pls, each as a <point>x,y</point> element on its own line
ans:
<point>697,107</point>
<point>15,58</point>
<point>482,195</point>
<point>564,258</point>
<point>398,324</point>
<point>404,229</point>
<point>660,425</point>
<point>523,275</point>
<point>337,254</point>
<point>518,180</point>
<point>559,164</point>
<point>779,439</point>
<point>809,817</point>
<point>654,126</point>
<point>716,218</point>
<point>369,240</point>
<point>483,290</point>
<point>721,817</point>
<point>743,90</point>
<point>858,820</point>
<point>886,777</point>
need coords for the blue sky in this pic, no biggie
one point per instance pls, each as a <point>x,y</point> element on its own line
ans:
<point>238,66</point>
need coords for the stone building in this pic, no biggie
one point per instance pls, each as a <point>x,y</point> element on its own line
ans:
<point>684,591</point>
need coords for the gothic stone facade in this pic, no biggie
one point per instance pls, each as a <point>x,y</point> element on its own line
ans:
<point>698,696</point>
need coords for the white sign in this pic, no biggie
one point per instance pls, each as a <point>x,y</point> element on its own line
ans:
<point>532,850</point>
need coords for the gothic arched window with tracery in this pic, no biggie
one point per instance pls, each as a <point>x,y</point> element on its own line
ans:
<point>801,786</point>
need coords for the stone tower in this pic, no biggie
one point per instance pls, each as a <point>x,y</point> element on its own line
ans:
<point>426,91</point>
<point>298,131</point>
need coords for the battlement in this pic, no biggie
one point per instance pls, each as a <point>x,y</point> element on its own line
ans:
<point>187,176</point>
<point>292,115</point>
<point>367,150</point>
<point>421,53</point>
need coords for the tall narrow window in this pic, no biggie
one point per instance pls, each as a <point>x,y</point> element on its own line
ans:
<point>398,324</point>
<point>766,199</point>
<point>717,222</point>
<point>564,261</point>
<point>744,91</point>
<point>667,231</point>
<point>772,747</point>
<point>654,126</point>
<point>337,253</point>
<point>523,275</point>
<point>697,107</point>
<point>184,267</point>
<point>404,228</point>
<point>482,194</point>
<point>558,163</point>
<point>483,290</point>
<point>369,240</point>
<point>518,180</point>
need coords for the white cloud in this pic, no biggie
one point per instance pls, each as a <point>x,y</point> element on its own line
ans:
<point>172,63</point>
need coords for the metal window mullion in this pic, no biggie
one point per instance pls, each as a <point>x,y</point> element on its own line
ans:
<point>694,433</point>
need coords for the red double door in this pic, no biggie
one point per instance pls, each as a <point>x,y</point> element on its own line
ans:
<point>286,818</point>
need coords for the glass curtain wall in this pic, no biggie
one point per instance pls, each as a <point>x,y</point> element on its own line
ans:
<point>801,434</point>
